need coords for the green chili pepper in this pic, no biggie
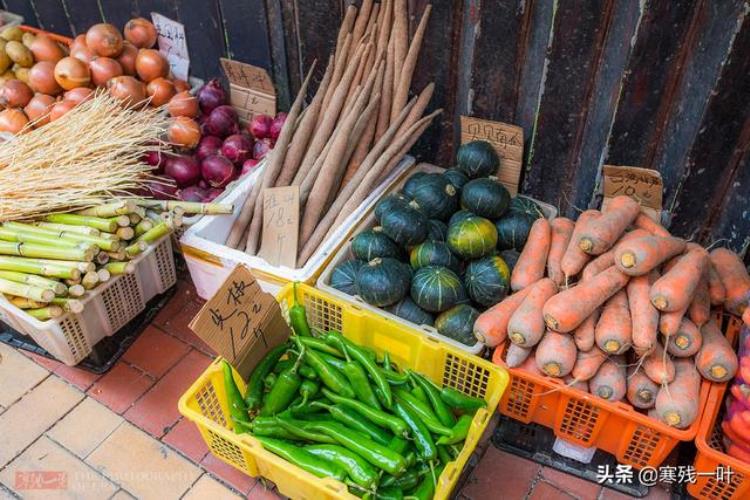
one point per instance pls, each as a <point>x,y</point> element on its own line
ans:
<point>387,360</point>
<point>296,409</point>
<point>410,457</point>
<point>282,365</point>
<point>269,381</point>
<point>284,390</point>
<point>269,427</point>
<point>406,481</point>
<point>237,407</point>
<point>443,454</point>
<point>426,488</point>
<point>319,345</point>
<point>331,377</point>
<point>300,429</point>
<point>298,316</point>
<point>442,412</point>
<point>394,378</point>
<point>304,370</point>
<point>254,394</point>
<point>423,411</point>
<point>399,445</point>
<point>457,399</point>
<point>420,394</point>
<point>419,432</point>
<point>302,459</point>
<point>361,385</point>
<point>390,493</point>
<point>458,432</point>
<point>358,469</point>
<point>333,361</point>
<point>368,364</point>
<point>308,389</point>
<point>377,417</point>
<point>355,421</point>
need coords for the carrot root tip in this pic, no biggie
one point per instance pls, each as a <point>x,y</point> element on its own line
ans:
<point>645,396</point>
<point>552,369</point>
<point>585,244</point>
<point>517,338</point>
<point>612,346</point>
<point>660,302</point>
<point>604,392</point>
<point>672,418</point>
<point>551,322</point>
<point>718,371</point>
<point>682,342</point>
<point>627,260</point>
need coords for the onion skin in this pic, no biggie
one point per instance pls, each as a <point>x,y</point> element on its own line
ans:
<point>140,32</point>
<point>183,169</point>
<point>127,58</point>
<point>13,120</point>
<point>71,73</point>
<point>38,109</point>
<point>183,104</point>
<point>249,165</point>
<point>42,78</point>
<point>261,148</point>
<point>260,126</point>
<point>181,85</point>
<point>193,193</point>
<point>151,64</point>
<point>84,54</point>
<point>60,108</point>
<point>78,42</point>
<point>127,89</point>
<point>15,94</point>
<point>78,95</point>
<point>46,49</point>
<point>104,39</point>
<point>223,121</point>
<point>103,69</point>
<point>184,132</point>
<point>160,90</point>
<point>237,148</point>
<point>211,96</point>
<point>217,171</point>
<point>277,125</point>
<point>209,145</point>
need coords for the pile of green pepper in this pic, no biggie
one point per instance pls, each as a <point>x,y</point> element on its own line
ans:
<point>330,407</point>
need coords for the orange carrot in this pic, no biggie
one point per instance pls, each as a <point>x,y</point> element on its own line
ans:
<point>491,327</point>
<point>716,360</point>
<point>734,277</point>
<point>642,390</point>
<point>530,265</point>
<point>644,316</point>
<point>658,366</point>
<point>574,258</point>
<point>588,363</point>
<point>585,334</point>
<point>573,383</point>
<point>675,289</point>
<point>687,341</point>
<point>677,404</point>
<point>556,354</point>
<point>715,286</point>
<point>669,322</point>
<point>569,308</point>
<point>640,255</point>
<point>700,308</point>
<point>746,316</point>
<point>600,234</point>
<point>562,230</point>
<point>516,355</point>
<point>613,331</point>
<point>646,223</point>
<point>609,382</point>
<point>599,264</point>
<point>526,326</point>
<point>529,365</point>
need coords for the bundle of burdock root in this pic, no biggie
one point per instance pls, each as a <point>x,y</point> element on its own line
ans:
<point>355,130</point>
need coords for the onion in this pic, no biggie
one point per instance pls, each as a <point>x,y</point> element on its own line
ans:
<point>181,85</point>
<point>38,109</point>
<point>46,49</point>
<point>15,94</point>
<point>160,90</point>
<point>202,184</point>
<point>184,132</point>
<point>157,160</point>
<point>211,96</point>
<point>209,145</point>
<point>12,120</point>
<point>71,73</point>
<point>222,121</point>
<point>193,193</point>
<point>42,78</point>
<point>127,58</point>
<point>127,89</point>
<point>159,187</point>
<point>260,126</point>
<point>78,95</point>
<point>84,54</point>
<point>103,69</point>
<point>78,42</point>
<point>151,64</point>
<point>213,193</point>
<point>277,125</point>
<point>104,39</point>
<point>217,171</point>
<point>261,148</point>
<point>140,32</point>
<point>183,169</point>
<point>237,148</point>
<point>60,108</point>
<point>249,165</point>
<point>183,104</point>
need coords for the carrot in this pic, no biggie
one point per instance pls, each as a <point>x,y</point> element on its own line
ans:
<point>677,404</point>
<point>716,360</point>
<point>580,385</point>
<point>516,355</point>
<point>569,308</point>
<point>562,230</point>
<point>588,363</point>
<point>687,341</point>
<point>715,287</point>
<point>556,354</point>
<point>530,265</point>
<point>732,435</point>
<point>613,332</point>
<point>491,327</point>
<point>584,334</point>
<point>526,326</point>
<point>609,382</point>
<point>646,223</point>
<point>733,275</point>
<point>700,308</point>
<point>675,289</point>
<point>739,452</point>
<point>640,255</point>
<point>574,258</point>
<point>599,264</point>
<point>601,234</point>
<point>746,316</point>
<point>644,316</point>
<point>401,92</point>
<point>642,390</point>
<point>669,322</point>
<point>658,366</point>
<point>529,365</point>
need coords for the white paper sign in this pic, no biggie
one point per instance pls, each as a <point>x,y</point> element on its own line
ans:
<point>173,44</point>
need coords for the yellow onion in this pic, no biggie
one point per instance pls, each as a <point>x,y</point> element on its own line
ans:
<point>127,89</point>
<point>160,90</point>
<point>46,49</point>
<point>60,108</point>
<point>38,109</point>
<point>103,69</point>
<point>15,94</point>
<point>127,58</point>
<point>184,132</point>
<point>42,78</point>
<point>71,73</point>
<point>104,39</point>
<point>183,104</point>
<point>12,120</point>
<point>151,64</point>
<point>140,32</point>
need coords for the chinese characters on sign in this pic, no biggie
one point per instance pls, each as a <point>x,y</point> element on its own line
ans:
<point>251,91</point>
<point>280,226</point>
<point>506,139</point>
<point>642,184</point>
<point>173,44</point>
<point>649,476</point>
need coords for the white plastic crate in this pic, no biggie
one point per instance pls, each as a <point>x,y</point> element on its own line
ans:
<point>9,19</point>
<point>210,261</point>
<point>107,308</point>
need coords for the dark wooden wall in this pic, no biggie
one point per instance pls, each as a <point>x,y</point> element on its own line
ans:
<point>662,84</point>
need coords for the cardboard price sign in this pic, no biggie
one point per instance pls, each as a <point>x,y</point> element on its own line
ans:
<point>642,184</point>
<point>280,226</point>
<point>506,139</point>
<point>251,90</point>
<point>241,322</point>
<point>173,44</point>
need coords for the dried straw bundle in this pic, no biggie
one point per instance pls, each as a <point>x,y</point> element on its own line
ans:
<point>91,154</point>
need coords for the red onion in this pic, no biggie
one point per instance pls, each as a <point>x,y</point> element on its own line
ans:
<point>193,193</point>
<point>237,148</point>
<point>249,165</point>
<point>183,169</point>
<point>222,121</point>
<point>211,96</point>
<point>276,126</point>
<point>156,159</point>
<point>260,126</point>
<point>217,170</point>
<point>213,193</point>
<point>209,145</point>
<point>202,184</point>
<point>261,148</point>
<point>161,188</point>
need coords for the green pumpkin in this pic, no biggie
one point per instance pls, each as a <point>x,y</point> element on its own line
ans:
<point>382,282</point>
<point>412,182</point>
<point>389,202</point>
<point>410,311</point>
<point>436,288</point>
<point>457,323</point>
<point>477,159</point>
<point>433,253</point>
<point>459,216</point>
<point>344,274</point>
<point>456,177</point>
<point>472,238</point>
<point>406,225</point>
<point>437,198</point>
<point>521,204</point>
<point>374,243</point>
<point>510,257</point>
<point>487,280</point>
<point>513,229</point>
<point>486,197</point>
<point>437,230</point>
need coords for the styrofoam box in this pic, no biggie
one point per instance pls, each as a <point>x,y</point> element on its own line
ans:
<point>10,19</point>
<point>107,308</point>
<point>210,261</point>
<point>344,254</point>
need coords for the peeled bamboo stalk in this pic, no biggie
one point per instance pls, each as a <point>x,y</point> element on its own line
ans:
<point>102,258</point>
<point>143,226</point>
<point>76,290</point>
<point>68,228</point>
<point>153,216</point>
<point>99,223</point>
<point>24,303</point>
<point>77,238</point>
<point>45,313</point>
<point>34,280</point>
<point>155,233</point>
<point>117,268</point>
<point>74,306</point>
<point>125,233</point>
<point>33,266</point>
<point>118,255</point>
<point>108,210</point>
<point>135,249</point>
<point>39,239</point>
<point>134,219</point>
<point>109,236</point>
<point>121,220</point>
<point>90,280</point>
<point>74,281</point>
<point>401,93</point>
<point>84,267</point>
<point>45,252</point>
<point>188,207</point>
<point>104,275</point>
<point>28,291</point>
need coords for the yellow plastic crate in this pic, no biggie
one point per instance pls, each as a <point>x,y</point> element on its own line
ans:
<point>205,401</point>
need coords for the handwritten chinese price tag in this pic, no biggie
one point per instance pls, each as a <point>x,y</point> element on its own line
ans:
<point>280,226</point>
<point>173,44</point>
<point>642,184</point>
<point>241,322</point>
<point>251,90</point>
<point>507,140</point>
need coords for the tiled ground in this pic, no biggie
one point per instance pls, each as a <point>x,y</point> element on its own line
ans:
<point>120,435</point>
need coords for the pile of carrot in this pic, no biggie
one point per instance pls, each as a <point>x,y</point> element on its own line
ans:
<point>617,306</point>
<point>357,127</point>
<point>736,423</point>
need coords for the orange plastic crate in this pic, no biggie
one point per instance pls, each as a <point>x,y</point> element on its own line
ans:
<point>58,38</point>
<point>586,420</point>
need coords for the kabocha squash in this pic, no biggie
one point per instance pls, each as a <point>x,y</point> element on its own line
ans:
<point>389,203</point>
<point>485,197</point>
<point>437,198</point>
<point>374,243</point>
<point>457,177</point>
<point>477,159</point>
<point>410,311</point>
<point>510,257</point>
<point>520,204</point>
<point>344,274</point>
<point>459,216</point>
<point>487,280</point>
<point>406,225</point>
<point>457,323</point>
<point>382,282</point>
<point>436,288</point>
<point>412,182</point>
<point>472,238</point>
<point>433,253</point>
<point>513,229</point>
<point>437,230</point>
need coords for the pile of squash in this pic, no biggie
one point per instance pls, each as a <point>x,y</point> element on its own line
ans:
<point>443,247</point>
